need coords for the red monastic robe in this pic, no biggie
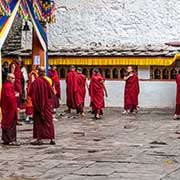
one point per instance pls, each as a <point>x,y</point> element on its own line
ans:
<point>80,90</point>
<point>177,111</point>
<point>97,92</point>
<point>53,74</point>
<point>29,105</point>
<point>18,77</point>
<point>41,93</point>
<point>70,89</point>
<point>8,105</point>
<point>131,92</point>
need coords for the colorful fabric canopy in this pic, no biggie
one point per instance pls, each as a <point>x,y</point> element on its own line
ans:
<point>44,9</point>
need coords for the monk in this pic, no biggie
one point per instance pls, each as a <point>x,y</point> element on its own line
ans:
<point>90,93</point>
<point>9,111</point>
<point>70,89</point>
<point>53,74</point>
<point>97,93</point>
<point>15,68</point>
<point>42,93</point>
<point>33,75</point>
<point>80,91</point>
<point>177,111</point>
<point>131,91</point>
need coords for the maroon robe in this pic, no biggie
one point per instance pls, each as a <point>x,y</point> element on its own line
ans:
<point>131,93</point>
<point>80,91</point>
<point>18,77</point>
<point>41,93</point>
<point>70,89</point>
<point>177,111</point>
<point>53,74</point>
<point>97,93</point>
<point>9,112</point>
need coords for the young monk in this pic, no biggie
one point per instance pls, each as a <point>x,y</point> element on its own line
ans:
<point>80,91</point>
<point>97,93</point>
<point>131,91</point>
<point>70,89</point>
<point>33,75</point>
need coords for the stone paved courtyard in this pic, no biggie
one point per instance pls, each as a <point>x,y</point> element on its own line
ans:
<point>118,147</point>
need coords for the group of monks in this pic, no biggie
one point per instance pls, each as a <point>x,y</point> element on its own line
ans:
<point>40,101</point>
<point>43,95</point>
<point>76,91</point>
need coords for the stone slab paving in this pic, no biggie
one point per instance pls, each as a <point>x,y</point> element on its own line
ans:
<point>117,147</point>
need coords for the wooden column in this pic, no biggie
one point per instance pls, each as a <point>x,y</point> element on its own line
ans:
<point>37,49</point>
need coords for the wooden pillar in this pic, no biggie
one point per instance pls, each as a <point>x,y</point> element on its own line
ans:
<point>37,50</point>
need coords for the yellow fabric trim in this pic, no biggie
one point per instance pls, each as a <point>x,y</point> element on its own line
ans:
<point>141,61</point>
<point>48,79</point>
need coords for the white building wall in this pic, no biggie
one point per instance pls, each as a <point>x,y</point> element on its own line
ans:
<point>153,94</point>
<point>113,24</point>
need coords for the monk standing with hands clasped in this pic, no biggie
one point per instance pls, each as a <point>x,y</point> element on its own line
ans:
<point>131,91</point>
<point>9,111</point>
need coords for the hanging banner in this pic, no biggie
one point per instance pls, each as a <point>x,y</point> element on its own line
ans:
<point>5,8</point>
<point>45,10</point>
<point>6,21</point>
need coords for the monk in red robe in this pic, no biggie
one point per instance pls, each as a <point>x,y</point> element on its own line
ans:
<point>97,93</point>
<point>70,89</point>
<point>90,93</point>
<point>80,91</point>
<point>42,93</point>
<point>33,75</point>
<point>15,68</point>
<point>131,91</point>
<point>9,111</point>
<point>177,111</point>
<point>53,74</point>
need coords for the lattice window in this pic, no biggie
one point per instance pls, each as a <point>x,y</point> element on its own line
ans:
<point>173,73</point>
<point>85,72</point>
<point>122,73</point>
<point>62,73</point>
<point>107,73</point>
<point>115,73</point>
<point>157,74</point>
<point>165,74</point>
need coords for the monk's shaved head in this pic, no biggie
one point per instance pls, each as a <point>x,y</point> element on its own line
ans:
<point>129,69</point>
<point>42,70</point>
<point>10,77</point>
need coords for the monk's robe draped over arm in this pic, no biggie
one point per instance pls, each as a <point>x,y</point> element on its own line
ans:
<point>41,93</point>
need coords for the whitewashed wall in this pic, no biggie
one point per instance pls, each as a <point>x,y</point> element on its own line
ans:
<point>154,94</point>
<point>113,23</point>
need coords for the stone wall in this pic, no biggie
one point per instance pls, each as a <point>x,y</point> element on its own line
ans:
<point>114,24</point>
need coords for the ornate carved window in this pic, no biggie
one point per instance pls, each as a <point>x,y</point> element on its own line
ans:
<point>122,73</point>
<point>107,73</point>
<point>115,73</point>
<point>165,74</point>
<point>157,73</point>
<point>85,72</point>
<point>173,73</point>
<point>62,73</point>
